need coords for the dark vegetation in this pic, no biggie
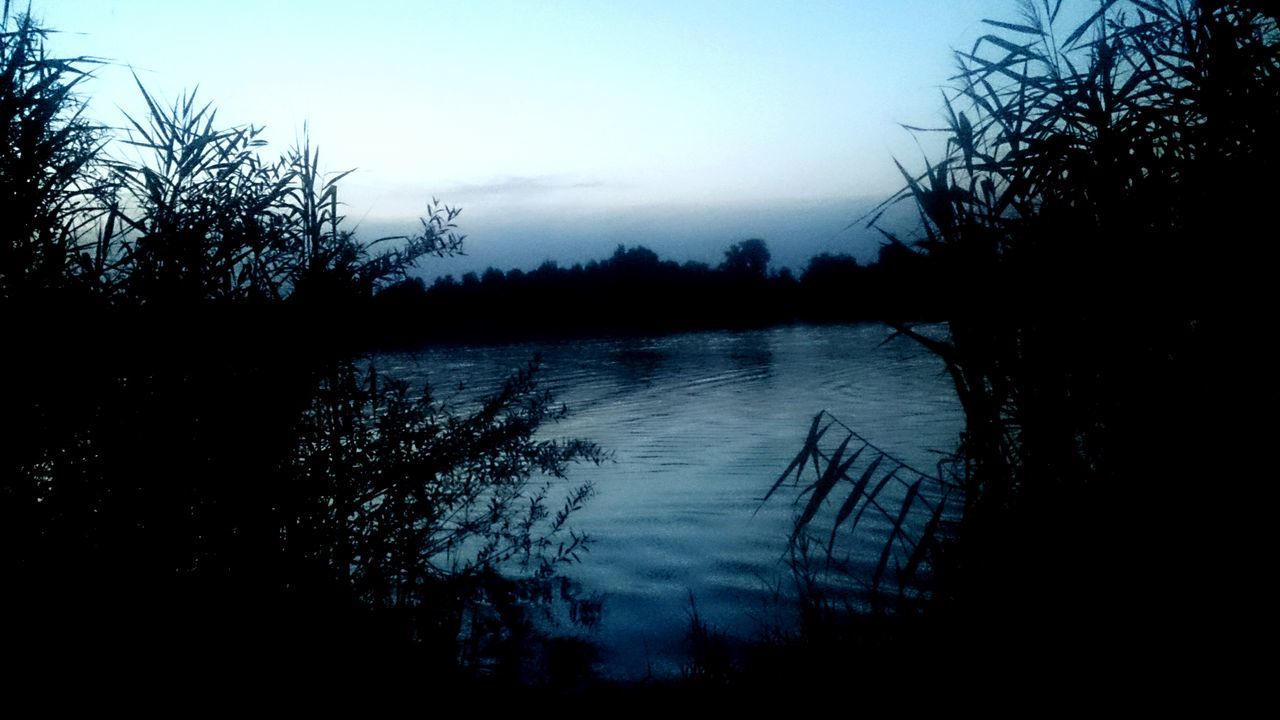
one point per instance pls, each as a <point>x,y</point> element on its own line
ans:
<point>635,291</point>
<point>1102,207</point>
<point>198,471</point>
<point>194,461</point>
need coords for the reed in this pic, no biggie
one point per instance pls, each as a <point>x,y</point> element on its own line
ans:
<point>198,213</point>
<point>48,178</point>
<point>199,461</point>
<point>1094,219</point>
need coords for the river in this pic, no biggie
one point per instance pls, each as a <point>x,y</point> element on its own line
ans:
<point>699,426</point>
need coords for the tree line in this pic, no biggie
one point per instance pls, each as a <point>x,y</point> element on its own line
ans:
<point>636,291</point>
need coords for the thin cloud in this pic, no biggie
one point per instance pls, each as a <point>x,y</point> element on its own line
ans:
<point>524,186</point>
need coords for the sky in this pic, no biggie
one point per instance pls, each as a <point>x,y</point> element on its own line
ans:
<point>562,128</point>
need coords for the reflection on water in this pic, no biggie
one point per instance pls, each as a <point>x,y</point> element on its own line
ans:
<point>700,424</point>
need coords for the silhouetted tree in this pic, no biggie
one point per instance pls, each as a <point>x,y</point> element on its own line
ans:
<point>828,269</point>
<point>747,258</point>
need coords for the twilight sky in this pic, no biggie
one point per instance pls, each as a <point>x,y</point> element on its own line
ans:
<point>562,128</point>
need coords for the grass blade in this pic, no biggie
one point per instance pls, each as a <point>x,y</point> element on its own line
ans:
<point>895,532</point>
<point>809,447</point>
<point>852,501</point>
<point>822,488</point>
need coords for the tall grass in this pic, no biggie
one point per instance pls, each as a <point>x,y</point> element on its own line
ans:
<point>196,461</point>
<point>843,487</point>
<point>1096,219</point>
<point>199,214</point>
<point>48,182</point>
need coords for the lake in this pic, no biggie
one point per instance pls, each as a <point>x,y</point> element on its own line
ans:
<point>700,425</point>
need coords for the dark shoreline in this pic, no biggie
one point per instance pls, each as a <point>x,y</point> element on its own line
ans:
<point>634,293</point>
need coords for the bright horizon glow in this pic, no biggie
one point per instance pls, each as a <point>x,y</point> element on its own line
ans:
<point>521,112</point>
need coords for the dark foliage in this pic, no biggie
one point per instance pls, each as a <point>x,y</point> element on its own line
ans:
<point>46,151</point>
<point>198,471</point>
<point>747,259</point>
<point>635,291</point>
<point>1097,219</point>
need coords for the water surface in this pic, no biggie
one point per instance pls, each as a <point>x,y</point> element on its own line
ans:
<point>699,425</point>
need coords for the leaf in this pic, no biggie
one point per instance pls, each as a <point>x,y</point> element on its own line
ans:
<point>1053,14</point>
<point>1154,9</point>
<point>851,502</point>
<point>810,445</point>
<point>1014,49</point>
<point>887,551</point>
<point>822,488</point>
<point>871,497</point>
<point>1025,29</point>
<point>921,547</point>
<point>1104,5</point>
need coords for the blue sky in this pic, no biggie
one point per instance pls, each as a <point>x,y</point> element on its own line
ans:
<point>562,128</point>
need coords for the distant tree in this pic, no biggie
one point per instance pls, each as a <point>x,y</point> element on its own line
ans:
<point>405,291</point>
<point>828,268</point>
<point>638,258</point>
<point>895,256</point>
<point>747,258</point>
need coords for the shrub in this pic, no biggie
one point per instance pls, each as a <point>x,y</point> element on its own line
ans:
<point>195,463</point>
<point>1093,220</point>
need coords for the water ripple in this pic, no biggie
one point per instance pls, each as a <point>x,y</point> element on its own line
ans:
<point>700,425</point>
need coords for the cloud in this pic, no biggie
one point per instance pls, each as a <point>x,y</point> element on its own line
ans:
<point>523,186</point>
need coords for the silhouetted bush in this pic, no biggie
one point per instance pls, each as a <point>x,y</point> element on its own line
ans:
<point>197,461</point>
<point>47,178</point>
<point>1095,224</point>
